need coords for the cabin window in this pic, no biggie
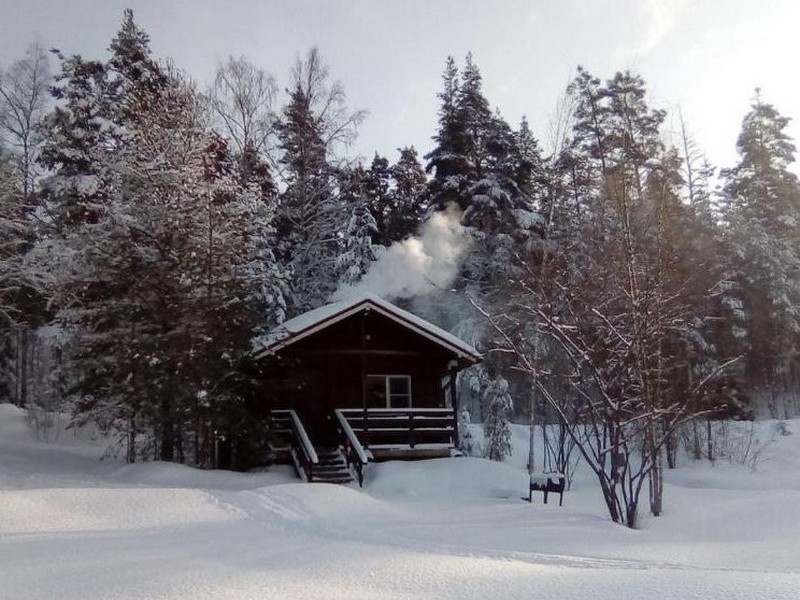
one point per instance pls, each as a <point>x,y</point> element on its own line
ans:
<point>389,391</point>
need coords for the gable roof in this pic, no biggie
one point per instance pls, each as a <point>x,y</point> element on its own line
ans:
<point>307,324</point>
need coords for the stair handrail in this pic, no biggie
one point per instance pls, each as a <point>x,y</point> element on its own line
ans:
<point>301,442</point>
<point>302,435</point>
<point>353,450</point>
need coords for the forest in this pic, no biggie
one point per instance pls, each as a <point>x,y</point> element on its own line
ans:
<point>619,286</point>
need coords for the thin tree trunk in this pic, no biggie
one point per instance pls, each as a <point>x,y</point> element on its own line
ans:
<point>709,441</point>
<point>656,481</point>
<point>22,366</point>
<point>532,433</point>
<point>672,451</point>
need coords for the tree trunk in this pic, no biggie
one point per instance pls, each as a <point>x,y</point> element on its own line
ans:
<point>131,455</point>
<point>672,450</point>
<point>656,481</point>
<point>655,477</point>
<point>532,434</point>
<point>709,441</point>
<point>22,365</point>
<point>697,444</point>
<point>167,450</point>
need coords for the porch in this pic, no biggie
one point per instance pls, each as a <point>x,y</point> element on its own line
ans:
<point>362,436</point>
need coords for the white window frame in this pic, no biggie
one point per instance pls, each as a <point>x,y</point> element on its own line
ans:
<point>387,387</point>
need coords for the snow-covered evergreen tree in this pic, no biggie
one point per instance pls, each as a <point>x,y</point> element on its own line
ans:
<point>496,427</point>
<point>313,126</point>
<point>13,233</point>
<point>396,196</point>
<point>493,174</point>
<point>357,251</point>
<point>408,196</point>
<point>762,209</point>
<point>168,274</point>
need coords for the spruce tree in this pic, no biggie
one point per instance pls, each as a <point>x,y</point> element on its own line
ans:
<point>357,251</point>
<point>309,213</point>
<point>496,428</point>
<point>314,125</point>
<point>408,197</point>
<point>173,258</point>
<point>762,209</point>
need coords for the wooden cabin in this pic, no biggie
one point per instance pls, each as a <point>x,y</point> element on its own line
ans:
<point>363,380</point>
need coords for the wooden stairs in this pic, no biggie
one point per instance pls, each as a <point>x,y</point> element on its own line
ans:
<point>331,467</point>
<point>291,442</point>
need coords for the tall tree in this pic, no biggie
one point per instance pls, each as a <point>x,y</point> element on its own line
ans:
<point>762,208</point>
<point>18,286</point>
<point>314,125</point>
<point>488,171</point>
<point>24,99</point>
<point>408,197</point>
<point>23,102</point>
<point>173,257</point>
<point>396,195</point>
<point>242,98</point>
<point>357,251</point>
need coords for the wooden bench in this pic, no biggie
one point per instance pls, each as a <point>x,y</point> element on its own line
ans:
<point>547,482</point>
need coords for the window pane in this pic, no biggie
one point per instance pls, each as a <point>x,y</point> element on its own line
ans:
<point>399,386</point>
<point>399,391</point>
<point>376,391</point>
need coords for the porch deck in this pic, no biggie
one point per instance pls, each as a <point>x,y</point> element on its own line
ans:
<point>371,435</point>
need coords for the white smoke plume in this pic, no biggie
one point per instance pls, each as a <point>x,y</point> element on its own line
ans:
<point>417,265</point>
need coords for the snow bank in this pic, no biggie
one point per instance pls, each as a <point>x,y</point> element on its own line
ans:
<point>447,478</point>
<point>65,510</point>
<point>74,527</point>
<point>164,474</point>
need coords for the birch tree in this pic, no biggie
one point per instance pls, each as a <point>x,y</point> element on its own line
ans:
<point>24,99</point>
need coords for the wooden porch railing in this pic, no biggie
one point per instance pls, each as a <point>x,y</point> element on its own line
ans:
<point>301,449</point>
<point>351,446</point>
<point>396,427</point>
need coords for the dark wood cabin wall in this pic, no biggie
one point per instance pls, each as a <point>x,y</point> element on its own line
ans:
<point>328,382</point>
<point>324,371</point>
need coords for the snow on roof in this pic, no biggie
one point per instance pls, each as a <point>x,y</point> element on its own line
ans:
<point>308,323</point>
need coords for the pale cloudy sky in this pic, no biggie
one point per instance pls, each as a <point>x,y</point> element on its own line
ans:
<point>706,55</point>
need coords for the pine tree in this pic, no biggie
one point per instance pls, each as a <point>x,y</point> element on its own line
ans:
<point>174,258</point>
<point>489,172</point>
<point>83,134</point>
<point>358,251</point>
<point>496,427</point>
<point>762,208</point>
<point>408,197</point>
<point>314,125</point>
<point>396,195</point>
<point>377,188</point>
<point>309,213</point>
<point>448,160</point>
<point>16,285</point>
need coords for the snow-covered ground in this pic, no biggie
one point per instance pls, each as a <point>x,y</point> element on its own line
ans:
<point>72,526</point>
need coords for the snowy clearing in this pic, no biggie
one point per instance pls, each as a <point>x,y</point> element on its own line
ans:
<point>76,527</point>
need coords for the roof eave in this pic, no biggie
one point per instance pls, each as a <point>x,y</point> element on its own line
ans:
<point>367,303</point>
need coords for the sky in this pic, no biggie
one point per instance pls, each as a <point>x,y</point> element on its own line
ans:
<point>705,57</point>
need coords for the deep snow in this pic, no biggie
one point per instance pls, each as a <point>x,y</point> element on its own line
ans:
<point>72,526</point>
